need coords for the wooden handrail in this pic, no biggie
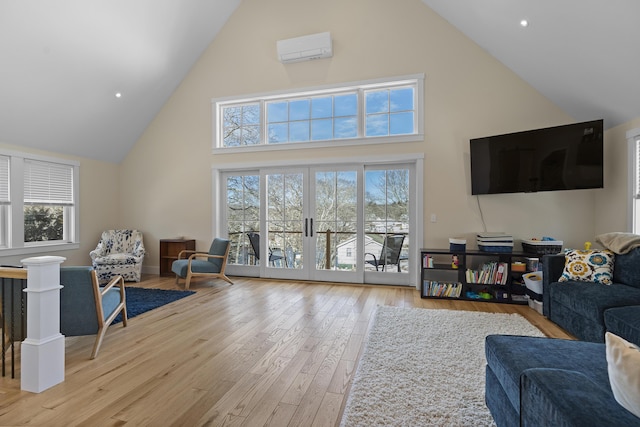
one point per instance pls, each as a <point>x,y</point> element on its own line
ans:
<point>13,273</point>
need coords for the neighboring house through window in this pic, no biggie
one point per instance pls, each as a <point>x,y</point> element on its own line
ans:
<point>314,219</point>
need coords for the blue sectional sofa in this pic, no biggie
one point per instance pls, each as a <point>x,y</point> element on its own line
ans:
<point>533,381</point>
<point>579,307</point>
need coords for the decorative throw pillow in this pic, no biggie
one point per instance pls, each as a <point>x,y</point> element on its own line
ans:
<point>623,365</point>
<point>588,266</point>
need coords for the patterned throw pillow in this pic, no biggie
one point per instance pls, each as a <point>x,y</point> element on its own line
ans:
<point>588,266</point>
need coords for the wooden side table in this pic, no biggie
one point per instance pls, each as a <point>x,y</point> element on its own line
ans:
<point>169,250</point>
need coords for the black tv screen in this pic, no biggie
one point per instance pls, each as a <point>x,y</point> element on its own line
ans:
<point>567,157</point>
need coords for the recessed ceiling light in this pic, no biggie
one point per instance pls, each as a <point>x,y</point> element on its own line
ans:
<point>118,94</point>
<point>524,23</point>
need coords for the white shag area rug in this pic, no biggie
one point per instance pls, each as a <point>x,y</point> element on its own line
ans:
<point>424,367</point>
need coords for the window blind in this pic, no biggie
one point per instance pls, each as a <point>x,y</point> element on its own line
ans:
<point>4,180</point>
<point>47,183</point>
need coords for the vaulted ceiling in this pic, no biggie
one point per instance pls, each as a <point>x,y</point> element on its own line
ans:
<point>63,62</point>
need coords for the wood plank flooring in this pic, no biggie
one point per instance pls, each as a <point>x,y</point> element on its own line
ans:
<point>256,353</point>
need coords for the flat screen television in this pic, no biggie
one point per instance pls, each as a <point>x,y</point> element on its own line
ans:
<point>567,157</point>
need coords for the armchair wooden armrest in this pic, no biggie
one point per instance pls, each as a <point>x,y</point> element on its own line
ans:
<point>204,255</point>
<point>183,253</point>
<point>115,281</point>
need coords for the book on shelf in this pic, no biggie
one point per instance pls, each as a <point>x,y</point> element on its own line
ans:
<point>434,288</point>
<point>427,261</point>
<point>489,273</point>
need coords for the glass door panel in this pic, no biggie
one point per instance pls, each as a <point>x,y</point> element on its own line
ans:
<point>336,219</point>
<point>243,216</point>
<point>285,223</point>
<point>386,224</point>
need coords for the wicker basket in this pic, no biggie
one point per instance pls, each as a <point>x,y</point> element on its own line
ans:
<point>542,247</point>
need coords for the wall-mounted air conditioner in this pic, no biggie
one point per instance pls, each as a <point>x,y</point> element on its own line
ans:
<point>304,48</point>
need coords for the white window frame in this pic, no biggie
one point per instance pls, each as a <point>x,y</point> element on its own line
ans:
<point>633,139</point>
<point>218,195</point>
<point>416,80</point>
<point>13,221</point>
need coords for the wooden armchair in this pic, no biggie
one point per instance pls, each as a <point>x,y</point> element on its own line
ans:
<point>86,308</point>
<point>212,264</point>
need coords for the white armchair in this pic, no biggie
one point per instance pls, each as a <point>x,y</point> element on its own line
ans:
<point>119,252</point>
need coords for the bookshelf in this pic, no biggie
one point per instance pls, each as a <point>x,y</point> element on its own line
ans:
<point>169,250</point>
<point>475,275</point>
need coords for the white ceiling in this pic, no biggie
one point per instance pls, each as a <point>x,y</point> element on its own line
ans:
<point>62,61</point>
<point>584,55</point>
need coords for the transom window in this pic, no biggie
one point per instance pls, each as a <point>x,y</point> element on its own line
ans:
<point>380,111</point>
<point>312,119</point>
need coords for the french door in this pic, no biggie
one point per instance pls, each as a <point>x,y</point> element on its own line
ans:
<point>325,223</point>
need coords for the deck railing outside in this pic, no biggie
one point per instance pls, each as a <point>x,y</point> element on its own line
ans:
<point>241,252</point>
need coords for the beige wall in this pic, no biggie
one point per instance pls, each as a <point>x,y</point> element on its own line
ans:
<point>99,205</point>
<point>165,187</point>
<point>612,206</point>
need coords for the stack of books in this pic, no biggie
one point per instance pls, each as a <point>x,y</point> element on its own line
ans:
<point>495,242</point>
<point>442,289</point>
<point>494,273</point>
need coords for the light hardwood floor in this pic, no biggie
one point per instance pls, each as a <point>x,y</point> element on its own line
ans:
<point>259,352</point>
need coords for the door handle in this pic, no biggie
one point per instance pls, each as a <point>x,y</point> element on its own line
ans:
<point>311,228</point>
<point>306,234</point>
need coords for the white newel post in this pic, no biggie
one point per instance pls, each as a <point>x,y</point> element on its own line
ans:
<point>42,363</point>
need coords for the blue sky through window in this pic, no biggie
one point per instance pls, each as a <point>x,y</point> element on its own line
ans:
<point>389,112</point>
<point>313,119</point>
<point>356,112</point>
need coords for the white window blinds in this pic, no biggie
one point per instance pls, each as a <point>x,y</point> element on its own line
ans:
<point>47,183</point>
<point>4,179</point>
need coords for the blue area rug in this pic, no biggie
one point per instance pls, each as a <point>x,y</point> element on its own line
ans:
<point>141,300</point>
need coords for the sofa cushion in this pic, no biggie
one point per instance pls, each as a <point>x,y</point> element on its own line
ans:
<point>583,328</point>
<point>508,356</point>
<point>554,397</point>
<point>626,268</point>
<point>589,300</point>
<point>117,259</point>
<point>588,266</point>
<point>502,411</point>
<point>623,359</point>
<point>624,322</point>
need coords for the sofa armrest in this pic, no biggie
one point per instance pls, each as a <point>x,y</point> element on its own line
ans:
<point>557,397</point>
<point>99,251</point>
<point>139,250</point>
<point>552,268</point>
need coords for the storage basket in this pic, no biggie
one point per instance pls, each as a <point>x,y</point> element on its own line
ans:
<point>536,305</point>
<point>533,281</point>
<point>542,247</point>
<point>495,248</point>
<point>457,244</point>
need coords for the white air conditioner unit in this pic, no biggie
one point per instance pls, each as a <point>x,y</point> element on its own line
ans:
<point>304,48</point>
